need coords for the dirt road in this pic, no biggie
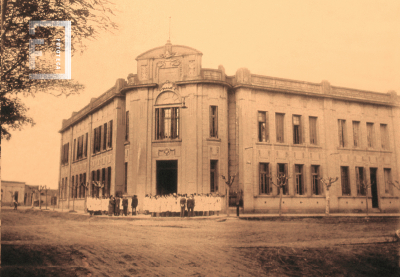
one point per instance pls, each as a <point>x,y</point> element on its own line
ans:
<point>38,243</point>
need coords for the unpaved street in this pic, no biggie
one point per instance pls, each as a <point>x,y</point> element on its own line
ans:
<point>37,243</point>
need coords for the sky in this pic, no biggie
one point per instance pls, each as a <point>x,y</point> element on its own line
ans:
<point>354,44</point>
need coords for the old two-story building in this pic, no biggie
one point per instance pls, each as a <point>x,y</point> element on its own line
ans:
<point>175,127</point>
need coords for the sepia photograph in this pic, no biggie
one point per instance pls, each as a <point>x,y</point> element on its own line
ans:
<point>200,138</point>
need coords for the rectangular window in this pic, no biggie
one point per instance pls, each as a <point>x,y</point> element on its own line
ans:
<point>316,184</point>
<point>127,126</point>
<point>65,154</point>
<point>103,181</point>
<point>370,135</point>
<point>86,145</point>
<point>109,181</point>
<point>84,187</point>
<point>388,181</point>
<point>263,129</point>
<point>74,153</point>
<point>66,188</point>
<point>265,187</point>
<point>297,129</point>
<point>72,187</point>
<point>97,140</point>
<point>313,130</point>
<point>62,189</point>
<point>282,171</point>
<point>76,186</point>
<point>344,173</point>
<point>384,137</point>
<point>98,182</point>
<point>92,183</point>
<point>360,178</point>
<point>279,124</point>
<point>80,186</point>
<point>167,123</point>
<point>213,121</point>
<point>126,178</point>
<point>356,134</point>
<point>110,133</point>
<point>300,187</point>
<point>213,176</point>
<point>105,135</point>
<point>342,132</point>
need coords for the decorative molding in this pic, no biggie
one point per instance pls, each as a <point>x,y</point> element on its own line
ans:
<point>166,152</point>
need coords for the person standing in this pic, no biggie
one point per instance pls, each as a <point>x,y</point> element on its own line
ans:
<point>183,204</point>
<point>134,204</point>
<point>15,204</point>
<point>116,210</point>
<point>111,206</point>
<point>125,206</point>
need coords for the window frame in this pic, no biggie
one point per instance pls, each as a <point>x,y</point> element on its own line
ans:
<point>356,134</point>
<point>297,130</point>
<point>316,184</point>
<point>345,181</point>
<point>174,124</point>
<point>299,180</point>
<point>285,189</point>
<point>342,133</point>
<point>385,145</point>
<point>280,130</point>
<point>213,121</point>
<point>360,179</point>
<point>313,130</point>
<point>388,186</point>
<point>214,176</point>
<point>370,135</point>
<point>260,123</point>
<point>265,187</point>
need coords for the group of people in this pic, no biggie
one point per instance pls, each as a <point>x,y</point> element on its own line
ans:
<point>112,206</point>
<point>177,204</point>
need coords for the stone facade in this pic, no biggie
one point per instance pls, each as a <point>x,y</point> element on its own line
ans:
<point>178,128</point>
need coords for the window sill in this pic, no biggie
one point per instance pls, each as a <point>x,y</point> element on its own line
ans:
<point>288,196</point>
<point>354,197</point>
<point>213,139</point>
<point>127,142</point>
<point>263,143</point>
<point>389,197</point>
<point>167,141</point>
<point>281,144</point>
<point>101,152</point>
<point>77,161</point>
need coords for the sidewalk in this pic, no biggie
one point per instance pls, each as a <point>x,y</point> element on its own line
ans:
<point>222,215</point>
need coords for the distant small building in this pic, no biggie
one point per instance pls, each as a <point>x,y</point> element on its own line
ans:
<point>12,190</point>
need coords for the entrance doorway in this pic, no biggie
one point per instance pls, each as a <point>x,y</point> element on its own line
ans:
<point>167,177</point>
<point>374,187</point>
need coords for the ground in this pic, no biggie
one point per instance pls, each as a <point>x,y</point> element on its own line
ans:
<point>44,243</point>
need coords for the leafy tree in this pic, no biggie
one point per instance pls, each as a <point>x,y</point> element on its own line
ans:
<point>88,19</point>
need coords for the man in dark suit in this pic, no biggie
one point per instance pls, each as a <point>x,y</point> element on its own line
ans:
<point>134,204</point>
<point>182,201</point>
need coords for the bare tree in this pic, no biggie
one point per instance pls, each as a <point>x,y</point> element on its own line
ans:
<point>328,183</point>
<point>365,185</point>
<point>282,182</point>
<point>40,189</point>
<point>12,196</point>
<point>228,181</point>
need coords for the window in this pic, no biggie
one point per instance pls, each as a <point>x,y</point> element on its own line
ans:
<point>97,140</point>
<point>65,153</point>
<point>84,187</point>
<point>62,188</point>
<point>279,123</point>
<point>213,121</point>
<point>98,181</point>
<point>167,123</point>
<point>105,135</point>
<point>388,181</point>
<point>313,130</point>
<point>73,154</point>
<point>297,129</point>
<point>360,178</point>
<point>126,178</point>
<point>92,183</point>
<point>300,187</point>
<point>103,181</point>
<point>316,184</point>
<point>86,145</point>
<point>213,176</point>
<point>76,187</point>
<point>127,126</point>
<point>282,170</point>
<point>108,185</point>
<point>342,132</point>
<point>356,134</point>
<point>384,137</point>
<point>66,188</point>
<point>110,132</point>
<point>265,187</point>
<point>370,135</point>
<point>80,186</point>
<point>72,187</point>
<point>263,130</point>
<point>344,173</point>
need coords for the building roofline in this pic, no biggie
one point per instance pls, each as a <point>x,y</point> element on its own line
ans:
<point>139,57</point>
